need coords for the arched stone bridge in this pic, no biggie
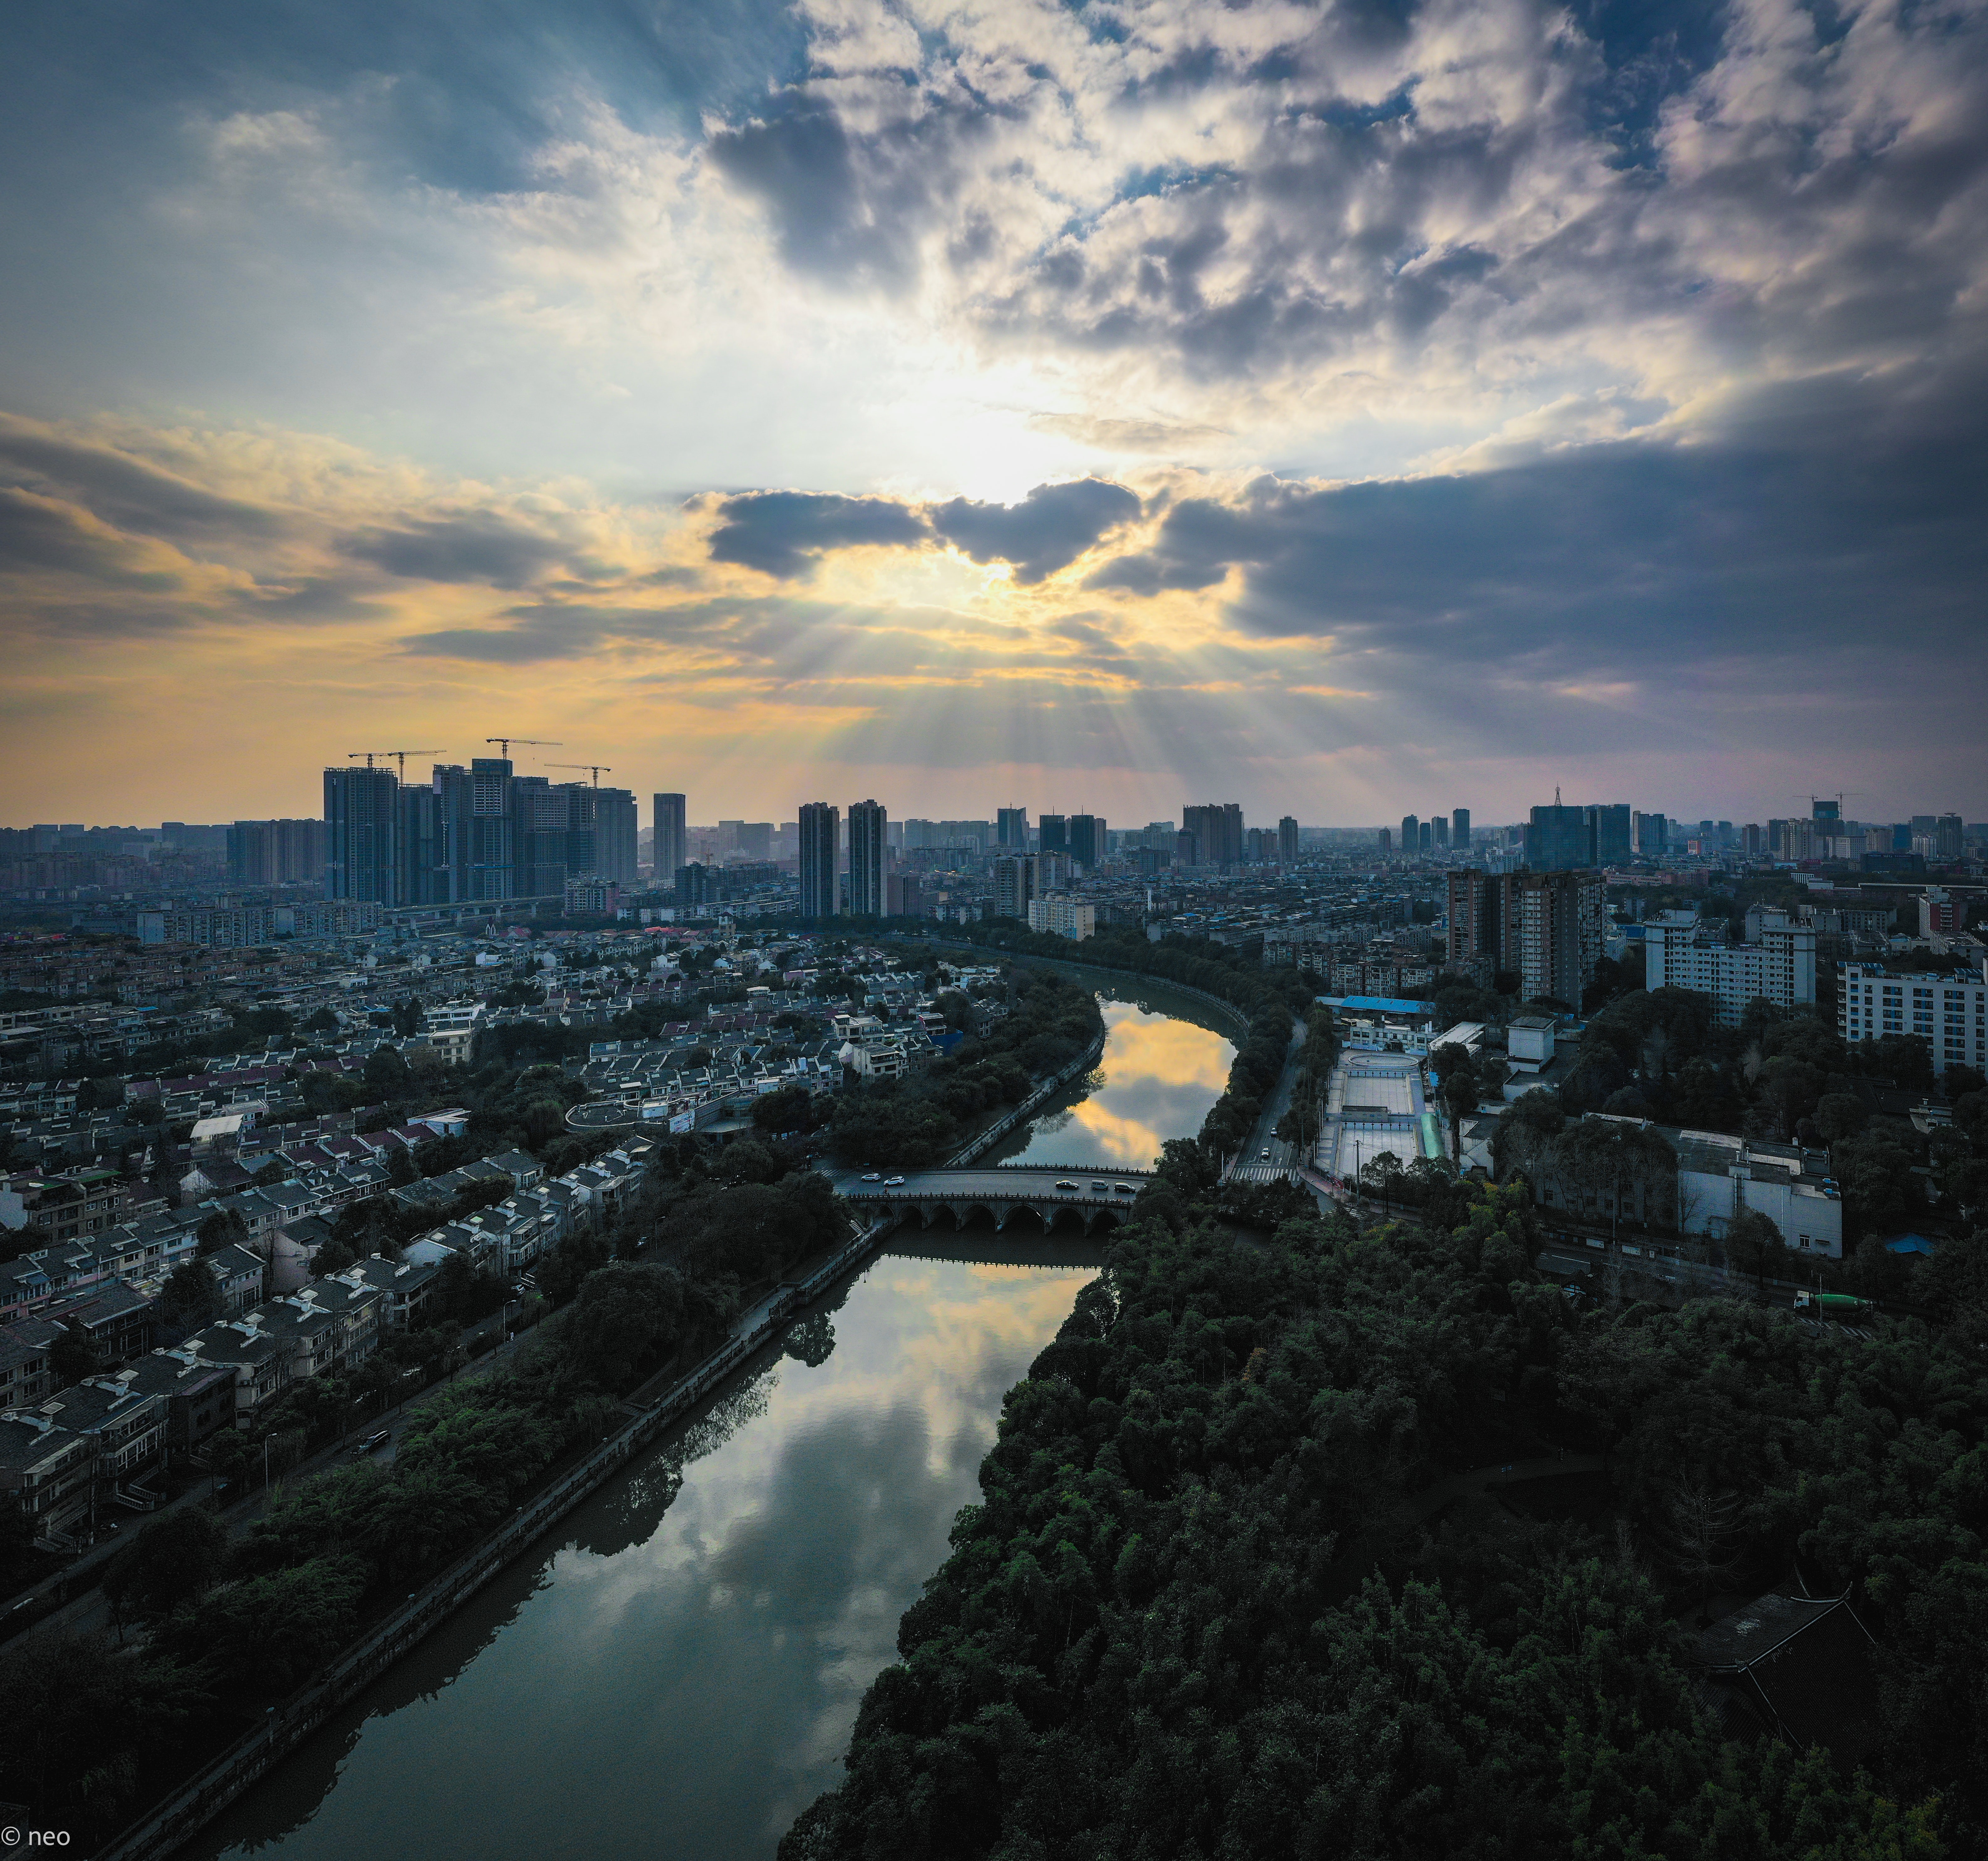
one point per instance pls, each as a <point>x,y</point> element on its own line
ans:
<point>1091,1194</point>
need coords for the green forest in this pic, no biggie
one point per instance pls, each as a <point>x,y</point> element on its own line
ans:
<point>1224,1597</point>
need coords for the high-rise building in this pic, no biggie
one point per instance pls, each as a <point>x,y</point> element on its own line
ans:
<point>1011,829</point>
<point>1475,923</point>
<point>1560,839</point>
<point>361,836</point>
<point>866,858</point>
<point>671,847</point>
<point>1648,836</point>
<point>1086,837</point>
<point>1411,834</point>
<point>614,829</point>
<point>1054,830</point>
<point>479,830</point>
<point>1015,877</point>
<point>1459,829</point>
<point>276,853</point>
<point>1387,839</point>
<point>1550,932</point>
<point>821,845</point>
<point>1609,826</point>
<point>1217,831</point>
<point>1439,832</point>
<point>424,845</point>
<point>1425,837</point>
<point>695,885</point>
<point>541,830</point>
<point>1287,840</point>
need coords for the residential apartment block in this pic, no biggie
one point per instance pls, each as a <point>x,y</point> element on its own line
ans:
<point>1683,951</point>
<point>1947,1009</point>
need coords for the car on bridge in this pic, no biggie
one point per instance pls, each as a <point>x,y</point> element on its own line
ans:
<point>1124,1189</point>
<point>875,1175</point>
<point>1066,1185</point>
<point>894,1182</point>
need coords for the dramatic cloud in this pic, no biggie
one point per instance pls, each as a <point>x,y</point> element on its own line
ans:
<point>1497,391</point>
<point>783,533</point>
<point>1048,530</point>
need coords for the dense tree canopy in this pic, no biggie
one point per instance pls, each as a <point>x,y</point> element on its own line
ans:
<point>1214,1601</point>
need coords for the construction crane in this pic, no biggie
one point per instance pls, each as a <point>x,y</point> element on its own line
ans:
<point>1842,795</point>
<point>599,768</point>
<point>538,742</point>
<point>400,755</point>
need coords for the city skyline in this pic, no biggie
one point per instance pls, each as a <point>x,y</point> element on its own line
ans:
<point>867,401</point>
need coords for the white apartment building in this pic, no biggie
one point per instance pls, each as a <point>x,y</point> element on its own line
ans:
<point>1685,952</point>
<point>1062,917</point>
<point>1948,1010</point>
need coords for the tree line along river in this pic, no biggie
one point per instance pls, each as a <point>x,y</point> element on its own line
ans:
<point>674,1671</point>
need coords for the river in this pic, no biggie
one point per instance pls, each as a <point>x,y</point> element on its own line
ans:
<point>674,1671</point>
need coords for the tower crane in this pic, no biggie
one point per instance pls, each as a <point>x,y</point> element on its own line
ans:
<point>539,742</point>
<point>599,768</point>
<point>400,755</point>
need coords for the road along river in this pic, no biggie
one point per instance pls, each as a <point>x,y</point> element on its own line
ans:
<point>676,1670</point>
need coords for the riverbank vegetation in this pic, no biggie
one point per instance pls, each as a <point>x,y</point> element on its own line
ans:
<point>925,1117</point>
<point>1225,1595</point>
<point>1273,999</point>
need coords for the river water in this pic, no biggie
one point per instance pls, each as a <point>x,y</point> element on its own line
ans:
<point>674,1671</point>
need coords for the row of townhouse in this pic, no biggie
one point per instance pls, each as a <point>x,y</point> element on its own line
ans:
<point>140,1254</point>
<point>116,1318</point>
<point>529,1223</point>
<point>66,1457</point>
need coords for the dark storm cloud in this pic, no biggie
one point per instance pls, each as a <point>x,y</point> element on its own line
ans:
<point>1824,515</point>
<point>480,546</point>
<point>1047,531</point>
<point>785,533</point>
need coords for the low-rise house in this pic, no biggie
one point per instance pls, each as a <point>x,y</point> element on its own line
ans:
<point>524,1171</point>
<point>25,1375</point>
<point>47,1470</point>
<point>69,1207</point>
<point>260,1363</point>
<point>125,1427</point>
<point>330,1326</point>
<point>113,1319</point>
<point>241,1275</point>
<point>293,1250</point>
<point>198,1396</point>
<point>405,1288</point>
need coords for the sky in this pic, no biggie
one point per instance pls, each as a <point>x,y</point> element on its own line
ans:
<point>1348,409</point>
